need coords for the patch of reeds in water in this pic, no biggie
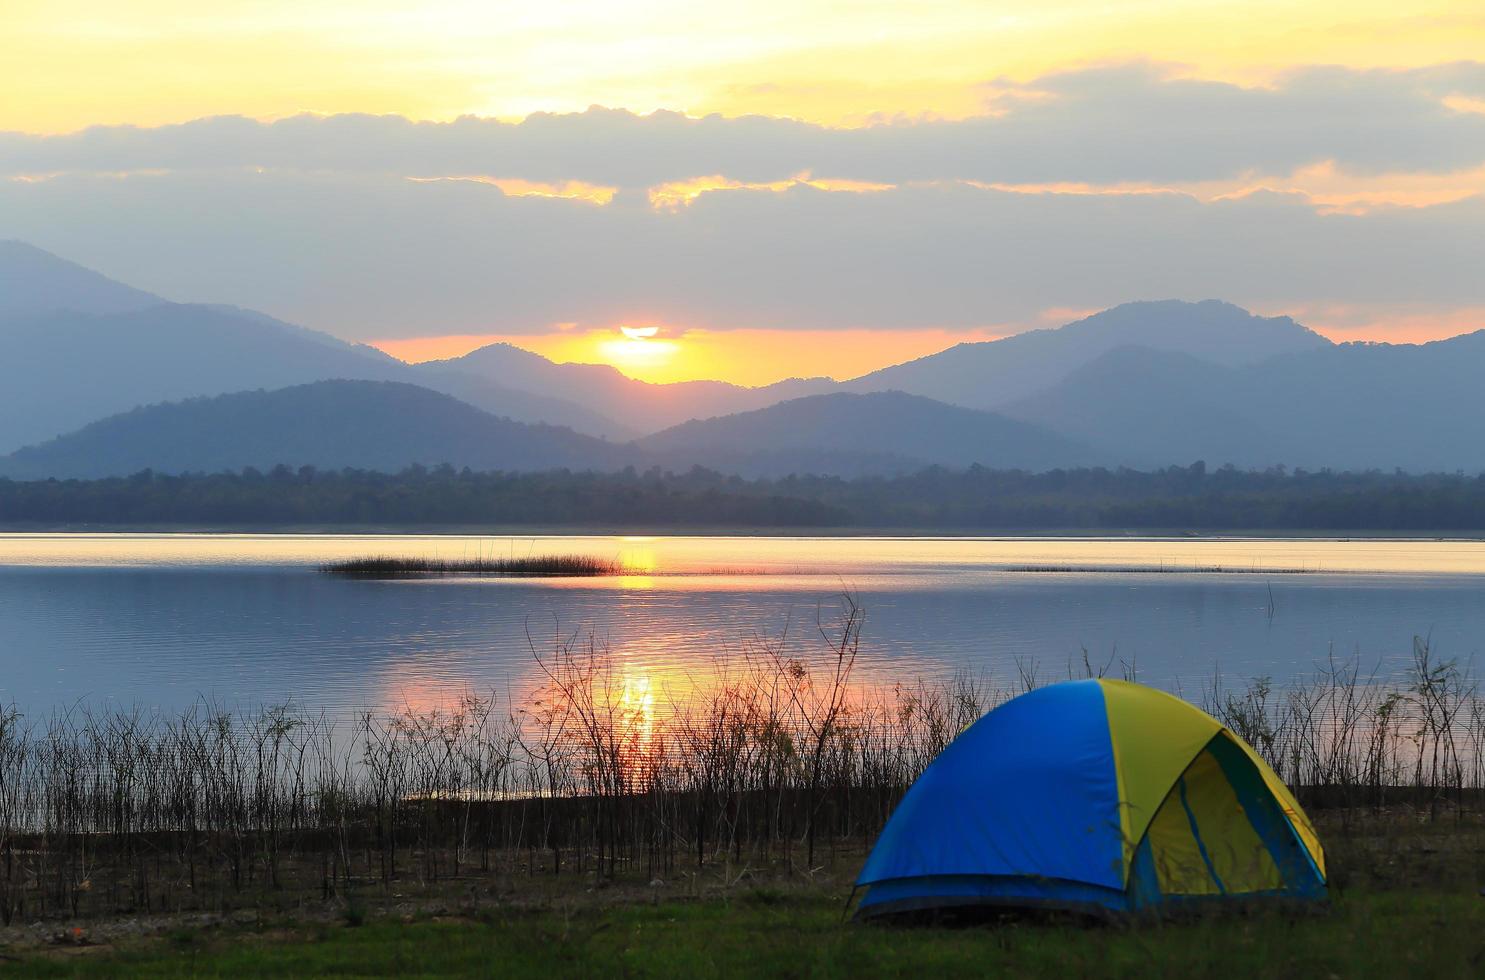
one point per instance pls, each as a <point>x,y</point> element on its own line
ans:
<point>531,566</point>
<point>782,758</point>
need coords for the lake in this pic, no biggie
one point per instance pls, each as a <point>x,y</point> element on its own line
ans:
<point>165,621</point>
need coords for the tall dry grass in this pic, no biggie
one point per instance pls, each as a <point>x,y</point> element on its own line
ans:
<point>783,758</point>
<point>1348,739</point>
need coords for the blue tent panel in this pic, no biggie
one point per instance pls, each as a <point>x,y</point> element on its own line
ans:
<point>946,891</point>
<point>1048,810</point>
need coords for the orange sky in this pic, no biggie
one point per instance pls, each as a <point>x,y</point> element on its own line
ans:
<point>1398,326</point>
<point>747,357</point>
<point>759,357</point>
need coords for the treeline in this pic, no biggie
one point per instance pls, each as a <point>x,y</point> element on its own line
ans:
<point>1193,497</point>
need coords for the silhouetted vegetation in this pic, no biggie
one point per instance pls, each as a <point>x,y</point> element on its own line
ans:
<point>529,566</point>
<point>780,758</point>
<point>1176,497</point>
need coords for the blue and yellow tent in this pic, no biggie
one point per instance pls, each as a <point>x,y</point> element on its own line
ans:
<point>1096,795</point>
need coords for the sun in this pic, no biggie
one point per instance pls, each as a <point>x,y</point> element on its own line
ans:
<point>637,350</point>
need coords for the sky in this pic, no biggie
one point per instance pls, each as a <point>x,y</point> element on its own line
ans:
<point>777,188</point>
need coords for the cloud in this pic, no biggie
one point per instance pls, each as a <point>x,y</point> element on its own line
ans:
<point>1126,123</point>
<point>347,223</point>
<point>372,255</point>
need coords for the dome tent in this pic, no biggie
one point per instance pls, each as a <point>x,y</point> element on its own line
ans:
<point>1096,795</point>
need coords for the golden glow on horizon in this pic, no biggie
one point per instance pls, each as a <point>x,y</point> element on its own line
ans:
<point>759,357</point>
<point>74,63</point>
<point>746,357</point>
<point>1399,325</point>
<point>416,350</point>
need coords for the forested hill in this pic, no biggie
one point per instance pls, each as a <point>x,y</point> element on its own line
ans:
<point>378,425</point>
<point>1176,498</point>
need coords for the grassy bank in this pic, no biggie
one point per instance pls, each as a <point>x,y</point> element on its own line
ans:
<point>774,933</point>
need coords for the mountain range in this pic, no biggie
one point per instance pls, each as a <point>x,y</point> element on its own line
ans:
<point>1143,384</point>
<point>638,406</point>
<point>1415,407</point>
<point>855,434</point>
<point>371,425</point>
<point>76,347</point>
<point>33,281</point>
<point>993,373</point>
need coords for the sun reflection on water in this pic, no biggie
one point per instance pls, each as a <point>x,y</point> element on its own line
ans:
<point>636,714</point>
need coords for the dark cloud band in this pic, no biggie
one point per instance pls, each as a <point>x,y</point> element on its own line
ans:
<point>371,255</point>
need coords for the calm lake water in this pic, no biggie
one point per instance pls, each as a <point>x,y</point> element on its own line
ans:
<point>163,621</point>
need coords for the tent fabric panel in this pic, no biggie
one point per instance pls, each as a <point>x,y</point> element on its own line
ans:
<point>1238,857</point>
<point>1155,737</point>
<point>1269,818</point>
<point>1293,813</point>
<point>940,891</point>
<point>1179,858</point>
<point>1144,879</point>
<point>1028,790</point>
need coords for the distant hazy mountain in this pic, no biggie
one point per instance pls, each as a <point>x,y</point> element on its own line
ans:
<point>1349,406</point>
<point>636,405</point>
<point>303,333</point>
<point>76,347</point>
<point>1413,406</point>
<point>522,406</point>
<point>850,433</point>
<point>59,371</point>
<point>1154,408</point>
<point>1143,384</point>
<point>34,281</point>
<point>372,425</point>
<point>997,372</point>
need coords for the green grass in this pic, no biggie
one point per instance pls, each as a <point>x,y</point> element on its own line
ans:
<point>1391,934</point>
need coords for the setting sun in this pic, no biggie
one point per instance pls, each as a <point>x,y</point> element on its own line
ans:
<point>636,351</point>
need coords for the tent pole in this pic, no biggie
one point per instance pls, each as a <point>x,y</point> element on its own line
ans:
<point>849,898</point>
